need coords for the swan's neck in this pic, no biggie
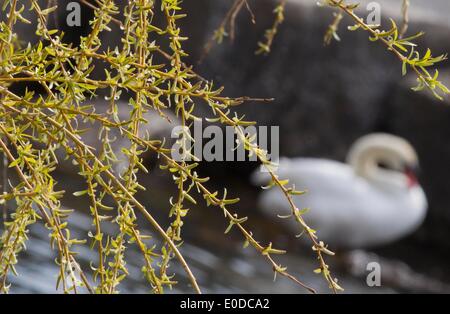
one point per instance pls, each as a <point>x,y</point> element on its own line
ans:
<point>364,163</point>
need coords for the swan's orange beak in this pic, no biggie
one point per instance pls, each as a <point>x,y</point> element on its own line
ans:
<point>412,173</point>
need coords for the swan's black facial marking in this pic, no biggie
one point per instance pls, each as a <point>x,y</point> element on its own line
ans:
<point>388,166</point>
<point>384,165</point>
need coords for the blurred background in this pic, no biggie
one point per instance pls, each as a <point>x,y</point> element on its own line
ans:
<point>325,98</point>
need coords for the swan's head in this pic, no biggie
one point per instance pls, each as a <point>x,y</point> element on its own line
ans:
<point>386,158</point>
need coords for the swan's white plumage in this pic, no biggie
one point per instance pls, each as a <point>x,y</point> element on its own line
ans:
<point>348,211</point>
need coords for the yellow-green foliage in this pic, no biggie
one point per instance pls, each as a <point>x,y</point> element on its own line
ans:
<point>402,48</point>
<point>33,126</point>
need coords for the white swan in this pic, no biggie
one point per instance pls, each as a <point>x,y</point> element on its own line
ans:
<point>372,200</point>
